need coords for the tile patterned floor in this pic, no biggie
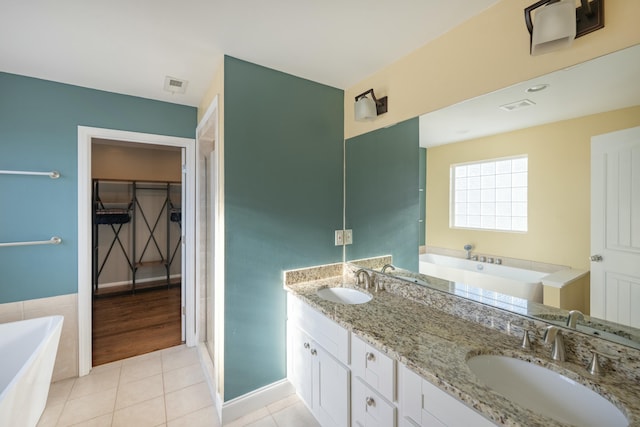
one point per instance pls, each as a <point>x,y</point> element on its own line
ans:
<point>165,388</point>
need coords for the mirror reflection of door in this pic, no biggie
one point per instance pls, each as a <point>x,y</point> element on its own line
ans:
<point>615,226</point>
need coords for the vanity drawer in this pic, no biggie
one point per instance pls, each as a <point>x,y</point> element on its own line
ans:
<point>324,331</point>
<point>368,408</point>
<point>374,367</point>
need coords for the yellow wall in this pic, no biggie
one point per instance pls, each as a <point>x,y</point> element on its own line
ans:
<point>216,88</point>
<point>559,194</point>
<point>488,52</point>
<point>134,163</point>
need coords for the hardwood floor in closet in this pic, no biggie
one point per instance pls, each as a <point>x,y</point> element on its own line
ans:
<point>128,325</point>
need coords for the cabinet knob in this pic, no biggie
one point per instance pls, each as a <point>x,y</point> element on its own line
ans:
<point>306,345</point>
<point>370,401</point>
<point>370,356</point>
<point>314,352</point>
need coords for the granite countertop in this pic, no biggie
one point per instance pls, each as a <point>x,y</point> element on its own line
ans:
<point>436,345</point>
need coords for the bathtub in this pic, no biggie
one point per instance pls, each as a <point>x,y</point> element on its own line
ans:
<point>27,354</point>
<point>516,282</point>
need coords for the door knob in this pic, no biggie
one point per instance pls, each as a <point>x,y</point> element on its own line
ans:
<point>596,258</point>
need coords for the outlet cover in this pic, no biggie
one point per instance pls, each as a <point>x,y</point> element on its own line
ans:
<point>339,237</point>
<point>348,237</point>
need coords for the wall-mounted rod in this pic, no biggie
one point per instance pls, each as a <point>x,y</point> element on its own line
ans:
<point>53,241</point>
<point>52,174</point>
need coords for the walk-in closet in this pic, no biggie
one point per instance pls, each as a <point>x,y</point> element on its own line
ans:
<point>136,243</point>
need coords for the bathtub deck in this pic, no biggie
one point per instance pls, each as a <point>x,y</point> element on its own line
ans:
<point>129,325</point>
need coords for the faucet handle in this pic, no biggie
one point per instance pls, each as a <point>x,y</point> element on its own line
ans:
<point>594,365</point>
<point>526,341</point>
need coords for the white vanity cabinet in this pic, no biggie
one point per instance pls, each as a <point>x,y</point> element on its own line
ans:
<point>424,404</point>
<point>318,355</point>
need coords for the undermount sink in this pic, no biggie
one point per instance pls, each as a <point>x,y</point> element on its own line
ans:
<point>344,295</point>
<point>546,392</point>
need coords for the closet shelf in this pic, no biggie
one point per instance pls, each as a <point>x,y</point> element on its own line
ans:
<point>112,216</point>
<point>140,230</point>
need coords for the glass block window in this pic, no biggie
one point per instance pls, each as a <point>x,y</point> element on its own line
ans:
<point>490,195</point>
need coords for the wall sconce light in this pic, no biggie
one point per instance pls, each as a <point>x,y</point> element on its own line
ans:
<point>367,108</point>
<point>559,22</point>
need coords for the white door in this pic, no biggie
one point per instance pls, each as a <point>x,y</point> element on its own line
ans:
<point>615,226</point>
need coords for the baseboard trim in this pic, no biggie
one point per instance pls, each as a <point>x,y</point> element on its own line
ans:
<point>255,400</point>
<point>242,405</point>
<point>139,281</point>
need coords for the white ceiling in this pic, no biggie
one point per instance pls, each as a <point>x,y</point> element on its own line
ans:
<point>129,47</point>
<point>602,84</point>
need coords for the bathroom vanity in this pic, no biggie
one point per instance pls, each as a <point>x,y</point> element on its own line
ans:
<point>401,359</point>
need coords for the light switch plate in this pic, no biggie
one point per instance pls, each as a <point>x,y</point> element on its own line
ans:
<point>339,237</point>
<point>348,237</point>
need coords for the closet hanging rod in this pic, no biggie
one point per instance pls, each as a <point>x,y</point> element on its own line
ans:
<point>52,174</point>
<point>55,240</point>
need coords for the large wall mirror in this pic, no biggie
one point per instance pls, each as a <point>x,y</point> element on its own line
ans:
<point>551,120</point>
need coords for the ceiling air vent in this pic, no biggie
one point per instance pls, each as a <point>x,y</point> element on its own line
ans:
<point>174,85</point>
<point>518,105</point>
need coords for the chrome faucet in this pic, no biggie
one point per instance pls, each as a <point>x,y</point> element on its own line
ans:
<point>386,267</point>
<point>574,315</point>
<point>367,278</point>
<point>468,248</point>
<point>553,336</point>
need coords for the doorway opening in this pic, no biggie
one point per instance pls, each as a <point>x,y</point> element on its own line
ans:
<point>160,251</point>
<point>136,240</point>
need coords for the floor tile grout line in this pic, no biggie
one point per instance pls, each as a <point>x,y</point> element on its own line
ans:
<point>115,400</point>
<point>164,390</point>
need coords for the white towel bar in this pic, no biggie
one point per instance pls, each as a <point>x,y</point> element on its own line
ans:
<point>53,241</point>
<point>52,174</point>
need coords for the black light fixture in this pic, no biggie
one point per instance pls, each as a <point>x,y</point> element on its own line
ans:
<point>367,108</point>
<point>558,22</point>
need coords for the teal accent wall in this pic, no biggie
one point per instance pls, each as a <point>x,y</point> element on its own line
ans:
<point>382,203</point>
<point>422,184</point>
<point>283,201</point>
<point>38,131</point>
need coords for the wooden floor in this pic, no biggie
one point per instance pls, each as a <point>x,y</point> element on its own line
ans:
<point>128,325</point>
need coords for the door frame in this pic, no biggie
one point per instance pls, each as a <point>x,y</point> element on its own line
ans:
<point>208,140</point>
<point>85,137</point>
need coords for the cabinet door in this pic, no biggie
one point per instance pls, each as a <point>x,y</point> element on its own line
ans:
<point>331,389</point>
<point>410,395</point>
<point>368,408</point>
<point>300,364</point>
